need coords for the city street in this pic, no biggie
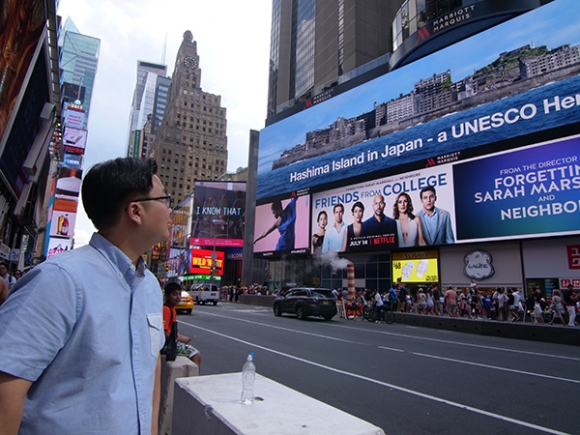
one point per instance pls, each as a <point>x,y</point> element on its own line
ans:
<point>406,380</point>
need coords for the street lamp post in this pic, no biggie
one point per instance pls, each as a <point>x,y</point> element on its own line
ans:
<point>214,254</point>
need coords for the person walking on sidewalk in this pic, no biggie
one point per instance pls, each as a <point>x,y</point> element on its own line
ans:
<point>378,306</point>
<point>570,297</point>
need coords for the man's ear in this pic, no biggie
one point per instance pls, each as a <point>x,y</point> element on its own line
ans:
<point>134,212</point>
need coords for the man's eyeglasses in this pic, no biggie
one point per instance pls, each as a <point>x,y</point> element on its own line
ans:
<point>166,198</point>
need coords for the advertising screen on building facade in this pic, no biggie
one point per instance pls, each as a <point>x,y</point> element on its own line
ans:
<point>282,227</point>
<point>201,262</point>
<point>219,211</point>
<point>75,140</point>
<point>464,113</point>
<point>415,267</point>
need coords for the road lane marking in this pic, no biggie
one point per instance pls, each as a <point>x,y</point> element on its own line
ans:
<point>392,348</point>
<point>342,340</point>
<point>396,334</point>
<point>392,386</point>
<point>459,361</point>
<point>461,343</point>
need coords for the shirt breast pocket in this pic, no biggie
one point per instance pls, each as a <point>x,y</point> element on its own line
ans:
<point>156,335</point>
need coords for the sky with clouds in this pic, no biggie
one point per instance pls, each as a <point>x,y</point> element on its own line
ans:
<point>233,42</point>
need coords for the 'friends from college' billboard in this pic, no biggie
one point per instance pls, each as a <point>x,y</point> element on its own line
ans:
<point>402,211</point>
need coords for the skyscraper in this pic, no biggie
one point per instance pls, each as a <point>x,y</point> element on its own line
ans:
<point>314,43</point>
<point>79,56</point>
<point>191,143</point>
<point>149,83</point>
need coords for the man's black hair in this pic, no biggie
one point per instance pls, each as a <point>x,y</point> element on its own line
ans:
<point>109,186</point>
<point>171,287</point>
<point>427,189</point>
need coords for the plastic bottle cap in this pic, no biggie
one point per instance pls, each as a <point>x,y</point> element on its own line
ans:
<point>251,356</point>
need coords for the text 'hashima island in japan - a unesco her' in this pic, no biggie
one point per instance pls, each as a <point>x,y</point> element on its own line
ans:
<point>479,125</point>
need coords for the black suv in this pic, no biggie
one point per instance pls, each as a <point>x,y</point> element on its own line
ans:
<point>306,302</point>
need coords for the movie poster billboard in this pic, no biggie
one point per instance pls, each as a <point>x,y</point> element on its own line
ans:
<point>494,91</point>
<point>219,211</point>
<point>282,227</point>
<point>178,262</point>
<point>528,192</point>
<point>387,213</point>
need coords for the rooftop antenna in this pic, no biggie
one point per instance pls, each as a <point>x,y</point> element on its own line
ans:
<point>164,50</point>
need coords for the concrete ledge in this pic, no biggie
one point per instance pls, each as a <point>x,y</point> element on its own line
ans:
<point>182,367</point>
<point>521,331</point>
<point>259,301</point>
<point>211,405</point>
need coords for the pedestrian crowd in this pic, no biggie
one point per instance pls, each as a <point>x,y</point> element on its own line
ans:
<point>501,304</point>
<point>232,293</point>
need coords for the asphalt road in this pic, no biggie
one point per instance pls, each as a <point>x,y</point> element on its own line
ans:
<point>406,380</point>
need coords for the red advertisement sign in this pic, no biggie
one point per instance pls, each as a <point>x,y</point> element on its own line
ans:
<point>201,262</point>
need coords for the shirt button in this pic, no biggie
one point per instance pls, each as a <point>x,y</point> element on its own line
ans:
<point>138,384</point>
<point>136,352</point>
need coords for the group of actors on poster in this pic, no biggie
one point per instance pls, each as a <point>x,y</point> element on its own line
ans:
<point>406,228</point>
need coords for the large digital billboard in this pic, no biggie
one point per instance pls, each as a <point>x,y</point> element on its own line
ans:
<point>452,120</point>
<point>219,212</point>
<point>391,212</point>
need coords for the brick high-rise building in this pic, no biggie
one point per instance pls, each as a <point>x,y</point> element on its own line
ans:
<point>191,143</point>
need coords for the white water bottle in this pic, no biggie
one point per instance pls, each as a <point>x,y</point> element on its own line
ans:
<point>248,377</point>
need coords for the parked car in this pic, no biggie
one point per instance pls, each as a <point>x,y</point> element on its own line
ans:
<point>305,301</point>
<point>186,303</point>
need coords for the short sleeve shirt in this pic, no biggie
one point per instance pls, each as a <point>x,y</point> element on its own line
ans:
<point>86,328</point>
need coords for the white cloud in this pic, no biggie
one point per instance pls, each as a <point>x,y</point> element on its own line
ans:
<point>233,41</point>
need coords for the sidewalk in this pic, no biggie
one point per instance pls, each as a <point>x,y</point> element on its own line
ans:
<point>518,330</point>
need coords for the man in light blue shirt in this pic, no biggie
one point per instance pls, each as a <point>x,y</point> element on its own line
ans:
<point>80,334</point>
<point>334,237</point>
<point>435,222</point>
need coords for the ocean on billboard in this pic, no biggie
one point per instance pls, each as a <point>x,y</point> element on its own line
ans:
<point>533,111</point>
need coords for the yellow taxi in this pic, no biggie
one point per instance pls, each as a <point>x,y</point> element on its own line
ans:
<point>186,303</point>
